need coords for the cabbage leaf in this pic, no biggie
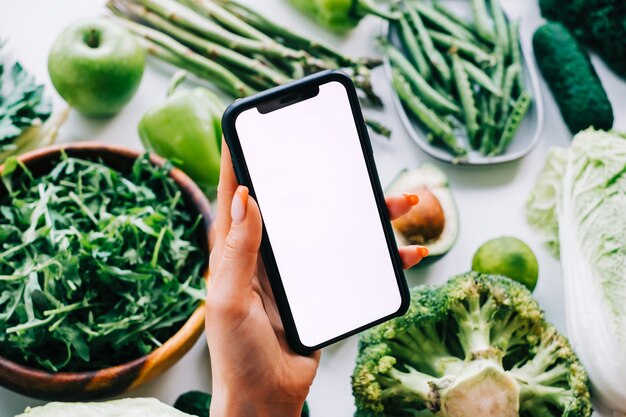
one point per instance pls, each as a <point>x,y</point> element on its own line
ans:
<point>541,207</point>
<point>127,407</point>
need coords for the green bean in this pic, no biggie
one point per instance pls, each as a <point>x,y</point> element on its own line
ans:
<point>438,127</point>
<point>466,95</point>
<point>498,72</point>
<point>521,107</point>
<point>455,18</point>
<point>494,102</point>
<point>413,48</point>
<point>443,22</point>
<point>481,19</point>
<point>428,94</point>
<point>441,89</point>
<point>502,30</point>
<point>481,78</point>
<point>515,52</point>
<point>487,124</point>
<point>436,58</point>
<point>486,142</point>
<point>470,50</point>
<point>488,145</point>
<point>507,90</point>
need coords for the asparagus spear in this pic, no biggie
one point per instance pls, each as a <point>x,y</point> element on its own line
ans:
<point>211,50</point>
<point>378,128</point>
<point>184,17</point>
<point>247,61</point>
<point>212,10</point>
<point>221,76</point>
<point>292,39</point>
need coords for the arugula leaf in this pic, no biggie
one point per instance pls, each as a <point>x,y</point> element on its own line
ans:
<point>97,267</point>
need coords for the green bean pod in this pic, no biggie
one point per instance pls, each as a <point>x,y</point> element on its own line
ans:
<point>481,78</point>
<point>438,127</point>
<point>466,95</point>
<point>521,107</point>
<point>507,89</point>
<point>413,48</point>
<point>437,60</point>
<point>428,94</point>
<point>516,56</point>
<point>479,10</point>
<point>470,50</point>
<point>442,22</point>
<point>443,90</point>
<point>486,138</point>
<point>502,29</point>
<point>455,18</point>
<point>494,102</point>
<point>498,72</point>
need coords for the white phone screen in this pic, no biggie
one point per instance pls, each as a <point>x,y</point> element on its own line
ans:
<point>313,188</point>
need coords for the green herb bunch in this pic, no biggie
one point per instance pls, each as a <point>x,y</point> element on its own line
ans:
<point>96,267</point>
<point>22,105</point>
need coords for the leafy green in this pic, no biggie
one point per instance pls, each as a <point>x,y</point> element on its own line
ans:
<point>97,267</point>
<point>22,105</point>
<point>588,195</point>
<point>541,207</point>
<point>127,407</point>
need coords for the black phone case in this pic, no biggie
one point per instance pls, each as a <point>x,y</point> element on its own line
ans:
<point>243,177</point>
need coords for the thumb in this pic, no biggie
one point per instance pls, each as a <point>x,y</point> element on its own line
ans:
<point>241,248</point>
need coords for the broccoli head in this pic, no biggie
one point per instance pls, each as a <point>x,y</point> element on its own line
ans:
<point>476,346</point>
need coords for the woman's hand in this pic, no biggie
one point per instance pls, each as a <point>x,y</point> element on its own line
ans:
<point>255,373</point>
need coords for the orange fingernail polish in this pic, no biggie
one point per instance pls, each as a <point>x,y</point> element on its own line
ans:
<point>422,251</point>
<point>412,199</point>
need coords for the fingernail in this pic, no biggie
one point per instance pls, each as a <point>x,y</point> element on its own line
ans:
<point>239,205</point>
<point>422,251</point>
<point>412,199</point>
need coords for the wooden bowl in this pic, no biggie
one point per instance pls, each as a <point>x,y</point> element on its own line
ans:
<point>75,386</point>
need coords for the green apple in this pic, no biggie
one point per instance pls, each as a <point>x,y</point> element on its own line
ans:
<point>96,66</point>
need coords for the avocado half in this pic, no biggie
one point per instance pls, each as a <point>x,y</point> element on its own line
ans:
<point>434,222</point>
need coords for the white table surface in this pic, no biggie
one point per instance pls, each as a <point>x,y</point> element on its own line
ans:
<point>490,199</point>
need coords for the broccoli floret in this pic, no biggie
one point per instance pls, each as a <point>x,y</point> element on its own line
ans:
<point>599,23</point>
<point>574,83</point>
<point>476,346</point>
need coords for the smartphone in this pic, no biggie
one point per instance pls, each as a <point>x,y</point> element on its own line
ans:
<point>303,151</point>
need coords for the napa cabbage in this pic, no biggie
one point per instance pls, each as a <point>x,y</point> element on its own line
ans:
<point>578,207</point>
<point>127,407</point>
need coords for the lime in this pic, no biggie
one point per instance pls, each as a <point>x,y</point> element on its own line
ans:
<point>510,257</point>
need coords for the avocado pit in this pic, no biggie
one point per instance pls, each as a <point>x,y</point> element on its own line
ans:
<point>424,222</point>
